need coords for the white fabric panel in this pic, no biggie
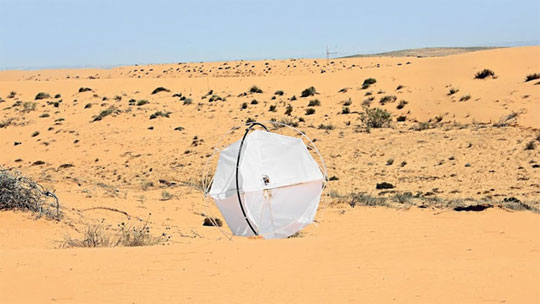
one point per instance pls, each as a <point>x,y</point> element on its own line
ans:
<point>285,160</point>
<point>224,184</point>
<point>281,212</point>
<point>273,213</point>
<point>283,206</point>
<point>230,209</point>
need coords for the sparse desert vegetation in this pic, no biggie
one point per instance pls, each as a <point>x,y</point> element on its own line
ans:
<point>452,91</point>
<point>126,235</point>
<point>465,97</point>
<point>314,103</point>
<point>104,114</point>
<point>288,110</point>
<point>532,77</point>
<point>404,149</point>
<point>402,104</point>
<point>18,192</point>
<point>311,91</point>
<point>368,82</point>
<point>160,89</point>
<point>84,89</point>
<point>386,99</point>
<point>142,102</point>
<point>255,90</point>
<point>157,114</point>
<point>485,73</point>
<point>376,118</point>
<point>42,95</point>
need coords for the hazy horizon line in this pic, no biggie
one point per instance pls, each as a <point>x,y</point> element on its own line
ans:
<point>535,42</point>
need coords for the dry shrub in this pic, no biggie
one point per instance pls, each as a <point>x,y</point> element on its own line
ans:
<point>126,235</point>
<point>18,192</point>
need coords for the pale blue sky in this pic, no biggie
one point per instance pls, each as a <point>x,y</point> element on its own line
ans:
<point>64,33</point>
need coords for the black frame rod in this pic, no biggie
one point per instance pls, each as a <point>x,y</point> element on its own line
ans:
<point>237,169</point>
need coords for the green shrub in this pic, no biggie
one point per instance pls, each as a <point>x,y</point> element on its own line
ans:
<point>401,118</point>
<point>83,89</point>
<point>389,98</point>
<point>279,93</point>
<point>368,82</point>
<point>326,127</point>
<point>311,91</point>
<point>255,89</point>
<point>375,118</point>
<point>42,95</point>
<point>288,110</point>
<point>187,101</point>
<point>215,98</point>
<point>452,91</point>
<point>272,108</point>
<point>244,105</point>
<point>465,97</point>
<point>104,114</point>
<point>314,103</point>
<point>401,104</point>
<point>254,102</point>
<point>160,89</point>
<point>310,111</point>
<point>160,114</point>
<point>345,110</point>
<point>142,102</point>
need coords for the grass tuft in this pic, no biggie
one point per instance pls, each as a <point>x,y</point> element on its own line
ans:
<point>532,77</point>
<point>484,74</point>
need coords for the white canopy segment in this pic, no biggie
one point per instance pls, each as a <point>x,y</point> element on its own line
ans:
<point>271,187</point>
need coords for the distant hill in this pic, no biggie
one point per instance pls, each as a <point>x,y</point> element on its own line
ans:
<point>425,52</point>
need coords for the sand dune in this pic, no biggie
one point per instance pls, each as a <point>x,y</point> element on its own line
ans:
<point>463,141</point>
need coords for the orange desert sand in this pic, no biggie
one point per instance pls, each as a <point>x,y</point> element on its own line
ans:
<point>462,142</point>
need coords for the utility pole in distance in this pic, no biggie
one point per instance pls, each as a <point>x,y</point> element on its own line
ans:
<point>328,53</point>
